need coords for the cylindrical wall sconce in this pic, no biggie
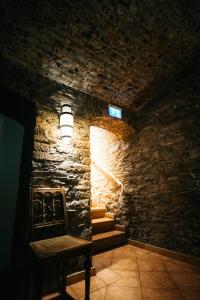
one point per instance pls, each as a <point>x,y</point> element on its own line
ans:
<point>66,123</point>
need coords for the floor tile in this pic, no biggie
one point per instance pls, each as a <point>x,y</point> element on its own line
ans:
<point>150,264</point>
<point>125,247</point>
<point>103,260</point>
<point>97,283</point>
<point>125,251</point>
<point>130,255</point>
<point>190,294</point>
<point>79,288</point>
<point>124,264</point>
<point>139,252</point>
<point>187,280</point>
<point>178,266</point>
<point>132,276</point>
<point>99,267</point>
<point>125,293</point>
<point>161,294</point>
<point>121,271</point>
<point>97,295</point>
<point>129,278</point>
<point>108,276</point>
<point>72,294</point>
<point>125,282</point>
<point>156,280</point>
<point>106,254</point>
<point>103,263</point>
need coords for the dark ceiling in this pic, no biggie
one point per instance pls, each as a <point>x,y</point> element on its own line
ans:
<point>118,51</point>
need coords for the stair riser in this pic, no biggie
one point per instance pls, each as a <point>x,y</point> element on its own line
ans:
<point>108,243</point>
<point>102,227</point>
<point>97,214</point>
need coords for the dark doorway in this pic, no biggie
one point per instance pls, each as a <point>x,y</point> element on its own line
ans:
<point>11,139</point>
<point>17,120</point>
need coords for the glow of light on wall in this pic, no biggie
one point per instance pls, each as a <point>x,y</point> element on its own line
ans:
<point>66,123</point>
<point>115,111</point>
<point>102,164</point>
<point>97,141</point>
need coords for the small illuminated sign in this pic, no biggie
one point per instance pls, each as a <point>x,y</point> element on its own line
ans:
<point>115,111</point>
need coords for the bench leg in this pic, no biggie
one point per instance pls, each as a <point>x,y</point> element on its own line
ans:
<point>87,266</point>
<point>38,283</point>
<point>64,282</point>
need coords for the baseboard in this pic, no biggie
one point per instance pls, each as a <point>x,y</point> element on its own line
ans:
<point>170,253</point>
<point>78,276</point>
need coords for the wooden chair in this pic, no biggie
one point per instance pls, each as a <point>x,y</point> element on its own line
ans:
<point>50,245</point>
<point>48,213</point>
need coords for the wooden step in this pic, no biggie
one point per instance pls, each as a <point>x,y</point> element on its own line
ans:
<point>109,215</point>
<point>108,240</point>
<point>98,212</point>
<point>120,227</point>
<point>102,225</point>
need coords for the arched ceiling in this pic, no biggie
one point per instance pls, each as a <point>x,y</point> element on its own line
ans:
<point>116,50</point>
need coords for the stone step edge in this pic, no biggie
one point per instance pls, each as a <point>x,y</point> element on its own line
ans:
<point>107,235</point>
<point>109,215</point>
<point>98,209</point>
<point>102,220</point>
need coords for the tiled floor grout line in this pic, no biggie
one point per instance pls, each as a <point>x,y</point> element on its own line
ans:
<point>139,273</point>
<point>139,277</point>
<point>122,277</point>
<point>112,257</point>
<point>105,292</point>
<point>130,271</point>
<point>172,279</point>
<point>132,255</point>
<point>110,269</point>
<point>162,259</point>
<point>165,270</point>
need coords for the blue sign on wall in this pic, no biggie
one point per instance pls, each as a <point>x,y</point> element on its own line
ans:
<point>114,111</point>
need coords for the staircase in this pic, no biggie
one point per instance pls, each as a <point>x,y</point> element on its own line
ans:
<point>106,235</point>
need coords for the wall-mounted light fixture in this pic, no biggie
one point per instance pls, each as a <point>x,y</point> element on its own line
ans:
<point>66,123</point>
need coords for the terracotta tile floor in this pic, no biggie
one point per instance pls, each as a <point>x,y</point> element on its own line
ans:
<point>131,273</point>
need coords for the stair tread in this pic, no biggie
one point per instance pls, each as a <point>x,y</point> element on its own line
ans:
<point>98,209</point>
<point>102,220</point>
<point>107,234</point>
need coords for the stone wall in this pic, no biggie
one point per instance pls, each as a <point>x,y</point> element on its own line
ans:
<point>53,163</point>
<point>56,164</point>
<point>160,164</point>
<point>163,207</point>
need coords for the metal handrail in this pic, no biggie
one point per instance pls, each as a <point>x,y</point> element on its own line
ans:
<point>110,175</point>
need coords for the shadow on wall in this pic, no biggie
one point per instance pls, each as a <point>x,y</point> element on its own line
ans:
<point>166,167</point>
